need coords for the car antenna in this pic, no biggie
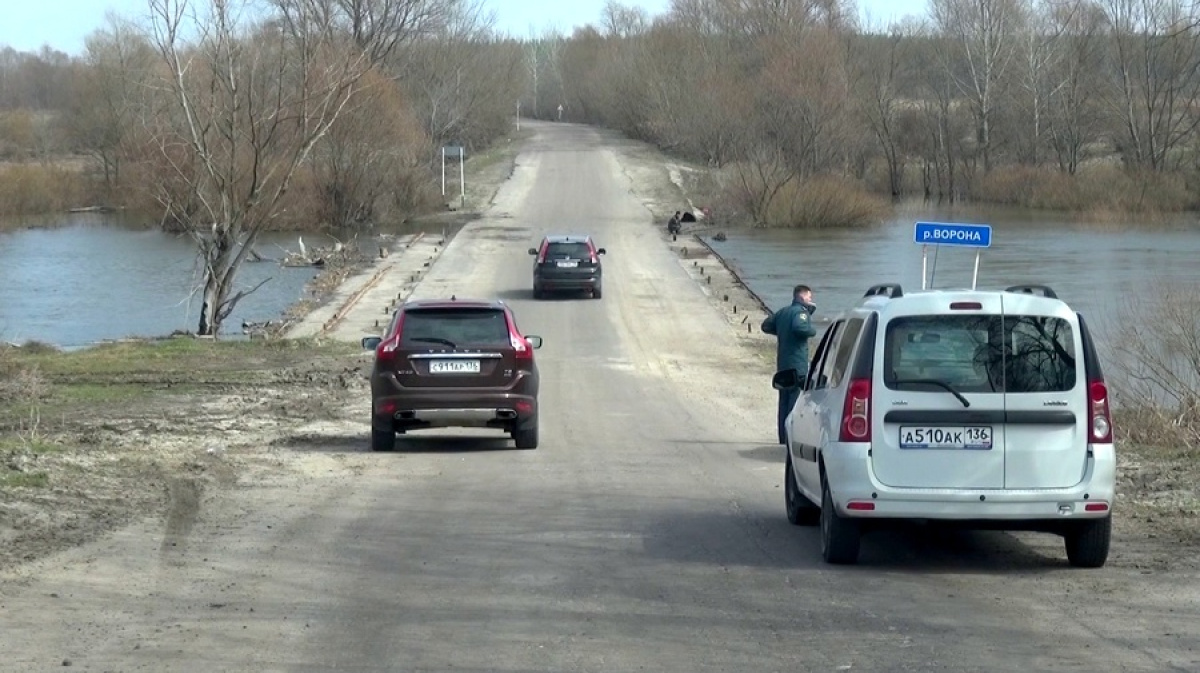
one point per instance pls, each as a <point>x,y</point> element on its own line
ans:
<point>453,298</point>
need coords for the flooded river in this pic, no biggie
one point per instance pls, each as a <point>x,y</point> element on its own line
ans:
<point>89,280</point>
<point>1098,269</point>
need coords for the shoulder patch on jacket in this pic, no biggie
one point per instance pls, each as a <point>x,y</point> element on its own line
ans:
<point>803,315</point>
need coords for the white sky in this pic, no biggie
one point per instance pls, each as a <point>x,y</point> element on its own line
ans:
<point>26,25</point>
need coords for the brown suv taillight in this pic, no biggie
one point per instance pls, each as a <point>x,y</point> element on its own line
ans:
<point>856,412</point>
<point>1099,418</point>
<point>385,352</point>
<point>522,351</point>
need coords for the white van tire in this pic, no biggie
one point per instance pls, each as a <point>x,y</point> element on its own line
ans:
<point>839,536</point>
<point>800,510</point>
<point>1088,542</point>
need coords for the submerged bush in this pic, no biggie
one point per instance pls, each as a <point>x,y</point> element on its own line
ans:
<point>1100,190</point>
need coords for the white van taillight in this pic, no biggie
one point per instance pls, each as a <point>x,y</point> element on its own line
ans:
<point>856,412</point>
<point>1099,418</point>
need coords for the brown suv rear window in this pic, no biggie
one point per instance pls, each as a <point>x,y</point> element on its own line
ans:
<point>454,327</point>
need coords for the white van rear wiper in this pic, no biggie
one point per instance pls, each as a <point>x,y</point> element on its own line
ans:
<point>934,382</point>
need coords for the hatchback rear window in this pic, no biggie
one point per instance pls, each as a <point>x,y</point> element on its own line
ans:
<point>431,328</point>
<point>568,251</point>
<point>980,354</point>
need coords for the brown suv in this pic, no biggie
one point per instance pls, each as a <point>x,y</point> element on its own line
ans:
<point>453,363</point>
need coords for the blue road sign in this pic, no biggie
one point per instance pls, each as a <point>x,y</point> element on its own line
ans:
<point>946,233</point>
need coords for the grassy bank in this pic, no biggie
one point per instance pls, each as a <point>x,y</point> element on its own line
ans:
<point>1100,192</point>
<point>91,439</point>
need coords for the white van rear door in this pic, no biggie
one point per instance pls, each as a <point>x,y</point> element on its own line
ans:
<point>1045,395</point>
<point>940,416</point>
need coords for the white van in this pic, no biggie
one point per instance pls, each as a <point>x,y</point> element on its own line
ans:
<point>986,408</point>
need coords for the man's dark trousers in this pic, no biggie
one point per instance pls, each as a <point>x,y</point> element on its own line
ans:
<point>787,400</point>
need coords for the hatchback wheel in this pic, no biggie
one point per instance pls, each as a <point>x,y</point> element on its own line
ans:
<point>596,292</point>
<point>1088,542</point>
<point>538,293</point>
<point>800,510</point>
<point>839,536</point>
<point>383,440</point>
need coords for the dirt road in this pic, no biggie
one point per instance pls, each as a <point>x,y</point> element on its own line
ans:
<point>646,533</point>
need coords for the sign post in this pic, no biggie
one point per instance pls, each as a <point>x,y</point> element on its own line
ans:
<point>452,150</point>
<point>978,236</point>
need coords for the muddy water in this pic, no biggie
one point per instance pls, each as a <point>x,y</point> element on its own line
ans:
<point>91,279</point>
<point>1097,268</point>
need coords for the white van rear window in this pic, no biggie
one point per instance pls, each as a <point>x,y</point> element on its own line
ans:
<point>980,354</point>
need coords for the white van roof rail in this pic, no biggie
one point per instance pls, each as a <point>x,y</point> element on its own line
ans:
<point>1041,290</point>
<point>890,290</point>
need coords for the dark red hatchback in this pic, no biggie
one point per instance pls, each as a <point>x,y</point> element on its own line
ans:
<point>446,363</point>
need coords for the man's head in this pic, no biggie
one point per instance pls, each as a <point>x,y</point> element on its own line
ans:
<point>803,293</point>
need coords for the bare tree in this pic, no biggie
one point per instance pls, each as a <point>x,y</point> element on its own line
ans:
<point>1040,52</point>
<point>1158,76</point>
<point>622,21</point>
<point>881,72</point>
<point>375,157</point>
<point>985,32</point>
<point>462,81</point>
<point>247,101</point>
<point>110,90</point>
<point>1074,116</point>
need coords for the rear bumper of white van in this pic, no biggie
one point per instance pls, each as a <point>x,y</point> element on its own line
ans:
<point>858,494</point>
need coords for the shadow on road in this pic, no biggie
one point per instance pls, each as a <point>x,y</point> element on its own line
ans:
<point>767,453</point>
<point>931,549</point>
<point>766,539</point>
<point>418,443</point>
<point>526,294</point>
<point>406,443</point>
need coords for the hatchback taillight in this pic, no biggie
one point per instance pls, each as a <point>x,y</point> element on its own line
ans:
<point>1099,417</point>
<point>856,412</point>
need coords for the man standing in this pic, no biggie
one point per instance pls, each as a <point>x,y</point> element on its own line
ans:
<point>792,327</point>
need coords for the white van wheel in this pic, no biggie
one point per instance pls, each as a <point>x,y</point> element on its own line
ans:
<point>1088,542</point>
<point>800,510</point>
<point>839,536</point>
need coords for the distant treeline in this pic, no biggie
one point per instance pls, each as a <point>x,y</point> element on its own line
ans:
<point>806,117</point>
<point>1087,105</point>
<point>102,128</point>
